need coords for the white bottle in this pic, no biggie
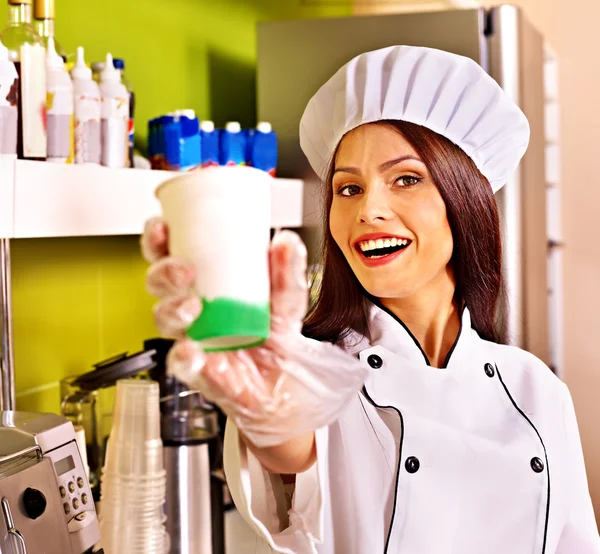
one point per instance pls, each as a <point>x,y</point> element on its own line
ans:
<point>9,111</point>
<point>88,113</point>
<point>115,116</point>
<point>59,105</point>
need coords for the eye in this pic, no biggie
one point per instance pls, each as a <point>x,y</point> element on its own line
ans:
<point>348,190</point>
<point>407,181</point>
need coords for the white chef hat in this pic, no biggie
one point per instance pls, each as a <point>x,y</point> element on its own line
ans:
<point>449,94</point>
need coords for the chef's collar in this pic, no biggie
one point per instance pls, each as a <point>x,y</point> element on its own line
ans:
<point>390,332</point>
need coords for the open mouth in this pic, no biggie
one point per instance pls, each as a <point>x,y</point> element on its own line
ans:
<point>380,248</point>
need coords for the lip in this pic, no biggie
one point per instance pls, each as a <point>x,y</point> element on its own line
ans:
<point>377,262</point>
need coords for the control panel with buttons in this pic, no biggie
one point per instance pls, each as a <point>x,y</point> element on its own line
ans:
<point>72,481</point>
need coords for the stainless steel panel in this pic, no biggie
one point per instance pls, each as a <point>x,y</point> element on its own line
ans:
<point>48,533</point>
<point>516,62</point>
<point>188,507</point>
<point>296,57</point>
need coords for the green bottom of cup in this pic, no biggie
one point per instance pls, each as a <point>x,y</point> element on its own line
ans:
<point>230,324</point>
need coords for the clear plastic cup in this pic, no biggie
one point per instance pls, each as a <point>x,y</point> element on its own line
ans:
<point>142,520</point>
<point>135,446</point>
<point>126,540</point>
<point>137,460</point>
<point>136,416</point>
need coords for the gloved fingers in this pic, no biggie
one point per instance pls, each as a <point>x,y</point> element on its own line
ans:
<point>155,240</point>
<point>185,361</point>
<point>289,287</point>
<point>170,277</point>
<point>173,315</point>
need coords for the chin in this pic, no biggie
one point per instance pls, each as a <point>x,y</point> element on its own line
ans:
<point>384,290</point>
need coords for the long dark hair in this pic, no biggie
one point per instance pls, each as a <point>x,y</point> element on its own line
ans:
<point>342,303</point>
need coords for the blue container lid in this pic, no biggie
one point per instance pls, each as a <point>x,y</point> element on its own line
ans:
<point>119,63</point>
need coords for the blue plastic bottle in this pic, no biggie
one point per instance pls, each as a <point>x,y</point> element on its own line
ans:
<point>190,153</point>
<point>232,149</point>
<point>182,141</point>
<point>169,140</point>
<point>209,144</point>
<point>263,148</point>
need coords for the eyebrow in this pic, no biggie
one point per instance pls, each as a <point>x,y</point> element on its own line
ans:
<point>382,167</point>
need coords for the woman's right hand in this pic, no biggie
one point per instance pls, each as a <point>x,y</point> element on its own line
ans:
<point>276,392</point>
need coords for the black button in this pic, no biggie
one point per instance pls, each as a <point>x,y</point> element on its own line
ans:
<point>489,370</point>
<point>374,361</point>
<point>537,465</point>
<point>34,503</point>
<point>412,464</point>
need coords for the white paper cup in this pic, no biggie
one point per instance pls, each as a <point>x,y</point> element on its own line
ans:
<point>219,219</point>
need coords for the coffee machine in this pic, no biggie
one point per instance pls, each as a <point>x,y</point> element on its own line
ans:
<point>46,504</point>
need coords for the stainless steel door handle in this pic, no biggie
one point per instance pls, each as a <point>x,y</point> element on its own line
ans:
<point>10,526</point>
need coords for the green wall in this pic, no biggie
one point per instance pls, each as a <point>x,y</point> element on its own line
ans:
<point>78,301</point>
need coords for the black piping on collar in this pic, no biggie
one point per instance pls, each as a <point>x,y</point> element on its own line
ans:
<point>387,541</point>
<point>545,456</point>
<point>417,343</point>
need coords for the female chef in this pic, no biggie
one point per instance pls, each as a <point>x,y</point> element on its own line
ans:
<point>397,422</point>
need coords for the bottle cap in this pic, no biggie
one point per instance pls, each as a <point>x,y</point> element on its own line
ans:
<point>109,73</point>
<point>54,62</point>
<point>80,69</point>
<point>190,114</point>
<point>264,127</point>
<point>97,67</point>
<point>207,126</point>
<point>119,63</point>
<point>233,127</point>
<point>43,9</point>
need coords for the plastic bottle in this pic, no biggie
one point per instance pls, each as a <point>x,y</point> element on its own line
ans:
<point>115,115</point>
<point>97,69</point>
<point>209,144</point>
<point>263,148</point>
<point>9,98</point>
<point>26,50</point>
<point>88,113</point>
<point>119,65</point>
<point>182,141</point>
<point>44,13</point>
<point>232,150</point>
<point>59,105</point>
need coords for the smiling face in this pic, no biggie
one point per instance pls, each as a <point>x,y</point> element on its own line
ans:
<point>387,215</point>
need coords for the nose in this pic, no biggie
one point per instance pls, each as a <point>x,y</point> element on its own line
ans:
<point>374,207</point>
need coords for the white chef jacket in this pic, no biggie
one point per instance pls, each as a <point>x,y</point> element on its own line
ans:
<point>481,457</point>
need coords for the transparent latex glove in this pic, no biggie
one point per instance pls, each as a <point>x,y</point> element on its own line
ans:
<point>288,386</point>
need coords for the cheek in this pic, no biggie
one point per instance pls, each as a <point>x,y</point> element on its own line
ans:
<point>435,232</point>
<point>338,226</point>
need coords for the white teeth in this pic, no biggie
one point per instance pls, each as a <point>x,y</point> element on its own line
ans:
<point>367,245</point>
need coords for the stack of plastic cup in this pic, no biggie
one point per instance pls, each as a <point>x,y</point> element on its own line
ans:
<point>134,478</point>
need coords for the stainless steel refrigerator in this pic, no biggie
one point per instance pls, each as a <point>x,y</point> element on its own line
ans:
<point>296,57</point>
